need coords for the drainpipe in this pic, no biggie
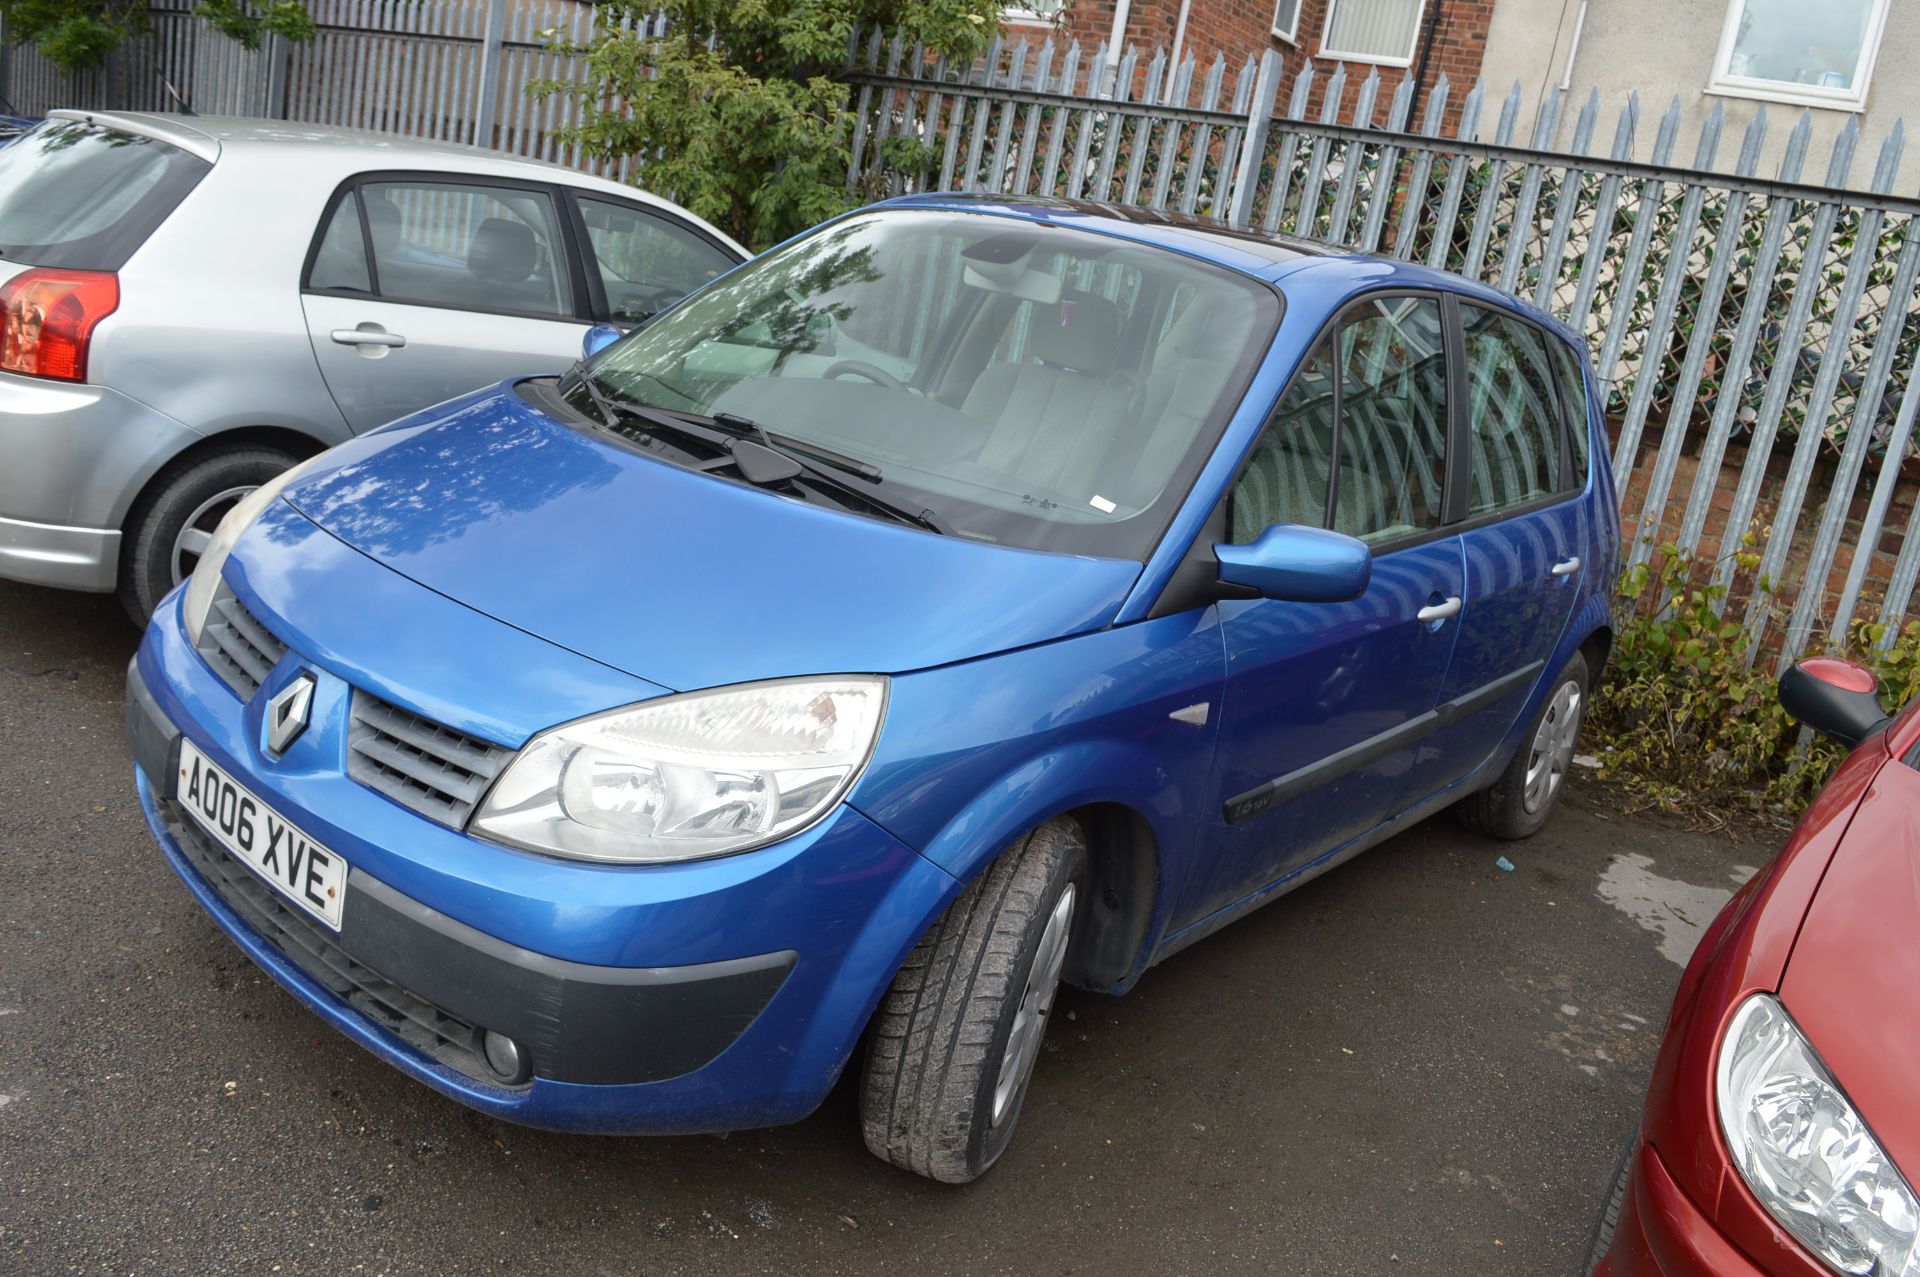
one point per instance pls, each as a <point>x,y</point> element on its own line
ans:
<point>1573,47</point>
<point>1121,9</point>
<point>1179,39</point>
<point>1420,69</point>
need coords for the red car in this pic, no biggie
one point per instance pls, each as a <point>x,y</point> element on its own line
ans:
<point>1781,1135</point>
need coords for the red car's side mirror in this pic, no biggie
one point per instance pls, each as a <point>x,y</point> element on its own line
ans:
<point>1836,698</point>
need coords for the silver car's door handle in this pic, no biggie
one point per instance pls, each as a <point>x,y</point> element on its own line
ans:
<point>1567,568</point>
<point>1439,611</point>
<point>356,337</point>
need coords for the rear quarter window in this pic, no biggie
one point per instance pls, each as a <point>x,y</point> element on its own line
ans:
<point>85,197</point>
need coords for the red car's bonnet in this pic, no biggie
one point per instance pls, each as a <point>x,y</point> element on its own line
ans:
<point>1851,980</point>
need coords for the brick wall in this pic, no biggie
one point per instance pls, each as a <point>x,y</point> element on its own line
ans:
<point>1718,540</point>
<point>1243,28</point>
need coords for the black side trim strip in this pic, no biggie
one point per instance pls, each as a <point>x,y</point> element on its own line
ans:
<point>1285,788</point>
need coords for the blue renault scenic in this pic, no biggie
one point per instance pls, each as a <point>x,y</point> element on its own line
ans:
<point>964,597</point>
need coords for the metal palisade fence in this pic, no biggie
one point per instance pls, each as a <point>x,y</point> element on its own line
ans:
<point>1755,332</point>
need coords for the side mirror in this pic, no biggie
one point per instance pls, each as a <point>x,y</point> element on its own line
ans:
<point>1299,564</point>
<point>598,338</point>
<point>1838,699</point>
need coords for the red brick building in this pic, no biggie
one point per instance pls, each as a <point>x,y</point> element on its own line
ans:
<point>1402,38</point>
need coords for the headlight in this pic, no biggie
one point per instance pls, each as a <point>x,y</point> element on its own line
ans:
<point>1806,1154</point>
<point>205,580</point>
<point>684,777</point>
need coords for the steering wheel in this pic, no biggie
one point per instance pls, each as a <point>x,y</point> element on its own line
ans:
<point>861,368</point>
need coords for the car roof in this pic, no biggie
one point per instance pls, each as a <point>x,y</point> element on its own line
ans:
<point>212,137</point>
<point>1269,257</point>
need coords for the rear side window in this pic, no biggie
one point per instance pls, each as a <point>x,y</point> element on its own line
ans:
<point>1516,431</point>
<point>465,247</point>
<point>81,197</point>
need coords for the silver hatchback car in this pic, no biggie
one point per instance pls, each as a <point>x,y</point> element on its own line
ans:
<point>190,305</point>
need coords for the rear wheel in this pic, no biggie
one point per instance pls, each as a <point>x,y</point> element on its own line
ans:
<point>1519,802</point>
<point>956,1038</point>
<point>174,520</point>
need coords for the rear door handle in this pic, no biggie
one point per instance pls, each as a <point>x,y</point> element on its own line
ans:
<point>360,337</point>
<point>1439,611</point>
<point>1568,567</point>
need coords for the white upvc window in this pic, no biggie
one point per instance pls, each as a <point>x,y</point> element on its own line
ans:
<point>1286,20</point>
<point>1041,11</point>
<point>1804,54</point>
<point>1377,31</point>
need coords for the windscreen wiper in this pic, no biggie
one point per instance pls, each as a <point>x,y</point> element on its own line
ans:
<point>763,467</point>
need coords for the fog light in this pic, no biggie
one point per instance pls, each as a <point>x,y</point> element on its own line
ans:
<point>504,1056</point>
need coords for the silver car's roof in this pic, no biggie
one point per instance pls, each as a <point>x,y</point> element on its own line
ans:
<point>346,151</point>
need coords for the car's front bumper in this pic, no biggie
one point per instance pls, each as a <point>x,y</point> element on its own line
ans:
<point>732,1006</point>
<point>1662,1233</point>
<point>72,459</point>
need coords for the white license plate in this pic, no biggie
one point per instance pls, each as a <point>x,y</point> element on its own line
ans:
<point>293,864</point>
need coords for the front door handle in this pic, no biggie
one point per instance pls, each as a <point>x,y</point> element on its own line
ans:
<point>1439,611</point>
<point>363,337</point>
<point>1567,567</point>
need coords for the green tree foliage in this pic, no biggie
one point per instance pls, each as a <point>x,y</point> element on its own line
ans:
<point>74,34</point>
<point>742,110</point>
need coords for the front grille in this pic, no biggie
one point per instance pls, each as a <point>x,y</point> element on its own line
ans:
<point>240,649</point>
<point>431,769</point>
<point>312,947</point>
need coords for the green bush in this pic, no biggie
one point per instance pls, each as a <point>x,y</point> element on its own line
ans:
<point>76,34</point>
<point>741,110</point>
<point>1686,722</point>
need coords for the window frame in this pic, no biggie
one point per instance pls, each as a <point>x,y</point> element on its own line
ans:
<point>1292,33</point>
<point>1723,83</point>
<point>579,309</point>
<point>576,229</point>
<point>1371,59</point>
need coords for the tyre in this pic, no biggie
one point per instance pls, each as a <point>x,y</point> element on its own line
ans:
<point>1519,802</point>
<point>174,519</point>
<point>955,1040</point>
<point>1609,1221</point>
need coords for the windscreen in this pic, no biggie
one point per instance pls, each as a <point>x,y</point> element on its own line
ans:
<point>83,197</point>
<point>1031,384</point>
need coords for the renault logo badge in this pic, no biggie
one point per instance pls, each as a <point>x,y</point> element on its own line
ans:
<point>287,713</point>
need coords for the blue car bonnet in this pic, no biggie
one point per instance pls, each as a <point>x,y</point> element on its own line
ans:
<point>680,578</point>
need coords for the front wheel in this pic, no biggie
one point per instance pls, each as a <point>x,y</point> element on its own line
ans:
<point>956,1037</point>
<point>1519,802</point>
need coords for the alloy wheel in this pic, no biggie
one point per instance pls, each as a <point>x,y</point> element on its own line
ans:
<point>1036,1000</point>
<point>1552,750</point>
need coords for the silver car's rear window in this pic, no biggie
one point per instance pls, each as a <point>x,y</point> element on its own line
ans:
<point>84,197</point>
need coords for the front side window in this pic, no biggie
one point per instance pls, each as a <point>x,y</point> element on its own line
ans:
<point>81,197</point>
<point>1514,415</point>
<point>465,247</point>
<point>1033,385</point>
<point>1380,31</point>
<point>1288,476</point>
<point>1393,419</point>
<point>646,262</point>
<point>1798,52</point>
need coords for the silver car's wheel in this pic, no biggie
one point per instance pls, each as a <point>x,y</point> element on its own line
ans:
<point>198,530</point>
<point>954,1043</point>
<point>174,519</point>
<point>1552,750</point>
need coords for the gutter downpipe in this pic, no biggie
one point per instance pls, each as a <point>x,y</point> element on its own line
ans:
<point>1121,10</point>
<point>1420,70</point>
<point>1179,39</point>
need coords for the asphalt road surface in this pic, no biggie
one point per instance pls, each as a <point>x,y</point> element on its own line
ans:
<point>1419,1063</point>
